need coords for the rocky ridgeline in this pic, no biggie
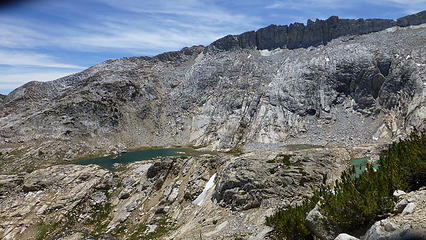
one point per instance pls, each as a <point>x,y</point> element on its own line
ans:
<point>297,35</point>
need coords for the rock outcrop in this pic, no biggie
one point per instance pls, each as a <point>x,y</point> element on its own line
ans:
<point>319,225</point>
<point>247,182</point>
<point>408,222</point>
<point>2,97</point>
<point>297,35</point>
<point>344,236</point>
<point>48,196</point>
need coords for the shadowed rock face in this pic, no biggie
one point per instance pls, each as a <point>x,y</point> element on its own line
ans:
<point>355,90</point>
<point>298,35</point>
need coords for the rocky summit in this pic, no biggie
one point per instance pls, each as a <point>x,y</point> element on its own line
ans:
<point>277,109</point>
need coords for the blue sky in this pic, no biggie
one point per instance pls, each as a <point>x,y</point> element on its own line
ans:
<point>46,39</point>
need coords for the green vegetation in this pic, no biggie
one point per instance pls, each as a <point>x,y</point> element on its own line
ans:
<point>290,223</point>
<point>98,217</point>
<point>140,229</point>
<point>283,161</point>
<point>163,227</point>
<point>356,202</point>
<point>235,151</point>
<point>273,170</point>
<point>44,229</point>
<point>47,230</point>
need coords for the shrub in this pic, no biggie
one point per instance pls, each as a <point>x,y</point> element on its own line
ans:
<point>290,223</point>
<point>354,203</point>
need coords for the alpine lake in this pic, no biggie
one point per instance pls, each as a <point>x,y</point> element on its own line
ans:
<point>138,155</point>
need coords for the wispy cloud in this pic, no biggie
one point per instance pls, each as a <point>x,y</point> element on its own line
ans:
<point>310,5</point>
<point>12,81</point>
<point>408,7</point>
<point>160,25</point>
<point>24,58</point>
<point>17,34</point>
<point>130,26</point>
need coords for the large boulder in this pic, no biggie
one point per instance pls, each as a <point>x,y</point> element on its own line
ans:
<point>317,223</point>
<point>409,222</point>
<point>344,236</point>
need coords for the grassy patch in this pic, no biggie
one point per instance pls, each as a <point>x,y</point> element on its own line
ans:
<point>163,227</point>
<point>198,147</point>
<point>44,229</point>
<point>48,230</point>
<point>138,232</point>
<point>235,151</point>
<point>98,218</point>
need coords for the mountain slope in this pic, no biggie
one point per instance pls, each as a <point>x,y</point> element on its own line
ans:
<point>357,89</point>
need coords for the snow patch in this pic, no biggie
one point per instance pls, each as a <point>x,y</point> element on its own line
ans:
<point>379,132</point>
<point>266,52</point>
<point>202,196</point>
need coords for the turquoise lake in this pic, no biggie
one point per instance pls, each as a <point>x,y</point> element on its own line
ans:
<point>360,165</point>
<point>140,155</point>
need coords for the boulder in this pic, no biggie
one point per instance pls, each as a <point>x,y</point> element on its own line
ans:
<point>408,224</point>
<point>344,236</point>
<point>316,222</point>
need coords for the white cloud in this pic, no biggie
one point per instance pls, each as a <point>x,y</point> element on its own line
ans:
<point>18,33</point>
<point>408,7</point>
<point>156,26</point>
<point>130,26</point>
<point>24,58</point>
<point>316,6</point>
<point>12,81</point>
<point>310,5</point>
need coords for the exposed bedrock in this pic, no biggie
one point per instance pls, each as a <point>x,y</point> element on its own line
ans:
<point>298,35</point>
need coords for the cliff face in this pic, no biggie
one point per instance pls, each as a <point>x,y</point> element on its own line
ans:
<point>298,35</point>
<point>2,97</point>
<point>355,90</point>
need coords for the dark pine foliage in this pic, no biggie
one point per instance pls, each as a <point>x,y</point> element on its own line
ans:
<point>290,223</point>
<point>356,202</point>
